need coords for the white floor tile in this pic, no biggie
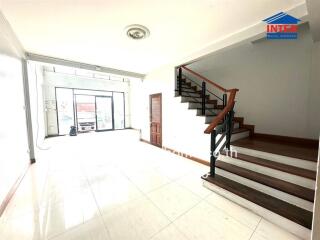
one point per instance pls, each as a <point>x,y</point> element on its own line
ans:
<point>268,231</point>
<point>169,233</point>
<point>239,213</point>
<point>73,211</point>
<point>113,192</point>
<point>173,200</point>
<point>194,183</point>
<point>204,222</point>
<point>26,227</point>
<point>137,219</point>
<point>148,180</point>
<point>91,230</point>
<point>139,191</point>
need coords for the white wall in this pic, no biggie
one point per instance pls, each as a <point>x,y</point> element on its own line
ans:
<point>13,132</point>
<point>35,78</point>
<point>181,129</point>
<point>278,91</point>
<point>53,79</point>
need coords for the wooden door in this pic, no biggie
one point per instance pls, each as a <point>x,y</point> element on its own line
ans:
<point>156,119</point>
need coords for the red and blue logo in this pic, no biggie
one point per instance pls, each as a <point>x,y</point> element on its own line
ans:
<point>282,26</point>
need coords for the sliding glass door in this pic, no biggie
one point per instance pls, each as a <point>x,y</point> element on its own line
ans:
<point>89,110</point>
<point>86,113</point>
<point>104,113</point>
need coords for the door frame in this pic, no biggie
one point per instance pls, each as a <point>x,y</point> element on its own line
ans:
<point>150,116</point>
<point>112,114</point>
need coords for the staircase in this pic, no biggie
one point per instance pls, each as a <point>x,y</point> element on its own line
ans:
<point>274,178</point>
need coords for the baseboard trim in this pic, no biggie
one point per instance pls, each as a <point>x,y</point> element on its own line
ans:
<point>181,154</point>
<point>12,191</point>
<point>314,143</point>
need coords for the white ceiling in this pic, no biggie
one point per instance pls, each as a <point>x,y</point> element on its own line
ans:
<point>92,31</point>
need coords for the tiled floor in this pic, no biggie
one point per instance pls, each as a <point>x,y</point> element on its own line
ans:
<point>111,186</point>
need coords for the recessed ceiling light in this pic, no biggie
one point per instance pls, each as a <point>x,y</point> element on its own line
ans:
<point>137,31</point>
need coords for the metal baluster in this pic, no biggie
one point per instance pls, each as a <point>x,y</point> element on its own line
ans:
<point>229,128</point>
<point>212,153</point>
<point>224,104</point>
<point>203,94</point>
<point>224,100</point>
<point>180,81</point>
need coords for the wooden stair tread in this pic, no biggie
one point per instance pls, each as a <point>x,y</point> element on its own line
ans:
<point>290,188</point>
<point>275,165</point>
<point>279,148</point>
<point>284,209</point>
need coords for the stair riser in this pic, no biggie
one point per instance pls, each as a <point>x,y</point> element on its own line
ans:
<point>209,119</point>
<point>236,125</point>
<point>301,181</point>
<point>278,158</point>
<point>190,99</point>
<point>237,136</point>
<point>191,94</point>
<point>199,105</point>
<point>276,219</point>
<point>302,203</point>
<point>211,111</point>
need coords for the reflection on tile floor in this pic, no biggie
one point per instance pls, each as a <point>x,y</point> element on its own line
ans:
<point>102,186</point>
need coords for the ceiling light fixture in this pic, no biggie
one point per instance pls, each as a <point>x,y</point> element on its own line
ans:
<point>137,32</point>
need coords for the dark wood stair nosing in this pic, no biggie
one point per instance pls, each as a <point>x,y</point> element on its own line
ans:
<point>279,207</point>
<point>281,185</point>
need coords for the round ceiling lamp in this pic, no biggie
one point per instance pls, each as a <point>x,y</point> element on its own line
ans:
<point>137,32</point>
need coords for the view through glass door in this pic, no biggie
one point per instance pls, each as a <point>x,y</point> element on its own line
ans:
<point>104,113</point>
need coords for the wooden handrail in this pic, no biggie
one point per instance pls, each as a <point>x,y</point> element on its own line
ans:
<point>224,112</point>
<point>206,79</point>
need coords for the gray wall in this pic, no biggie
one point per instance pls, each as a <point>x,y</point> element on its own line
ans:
<point>278,82</point>
<point>13,132</point>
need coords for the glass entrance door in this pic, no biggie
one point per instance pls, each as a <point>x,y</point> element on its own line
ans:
<point>104,113</point>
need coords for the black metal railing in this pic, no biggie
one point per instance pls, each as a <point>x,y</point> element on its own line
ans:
<point>224,131</point>
<point>204,91</point>
<point>220,131</point>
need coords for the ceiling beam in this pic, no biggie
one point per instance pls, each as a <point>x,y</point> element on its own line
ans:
<point>68,63</point>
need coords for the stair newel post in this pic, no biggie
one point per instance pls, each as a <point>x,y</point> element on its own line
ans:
<point>203,95</point>
<point>180,81</point>
<point>229,128</point>
<point>213,157</point>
